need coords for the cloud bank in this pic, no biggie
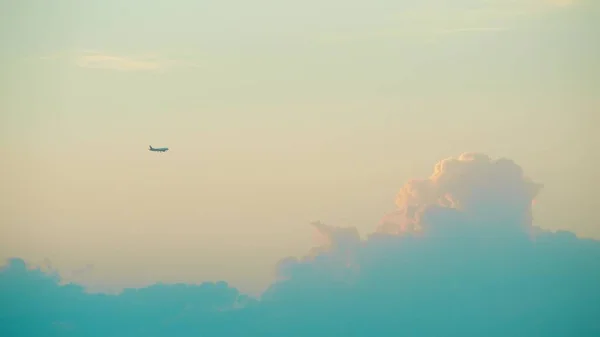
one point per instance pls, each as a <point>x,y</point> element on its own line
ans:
<point>460,257</point>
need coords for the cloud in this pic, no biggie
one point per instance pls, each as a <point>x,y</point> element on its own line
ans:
<point>425,20</point>
<point>110,61</point>
<point>562,3</point>
<point>104,61</point>
<point>458,258</point>
<point>97,60</point>
<point>491,192</point>
<point>34,303</point>
<point>473,30</point>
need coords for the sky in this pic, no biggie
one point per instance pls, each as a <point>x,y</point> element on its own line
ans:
<point>463,259</point>
<point>275,115</point>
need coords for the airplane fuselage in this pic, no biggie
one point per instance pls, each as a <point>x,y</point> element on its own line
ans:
<point>160,149</point>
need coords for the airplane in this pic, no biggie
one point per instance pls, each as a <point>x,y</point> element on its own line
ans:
<point>160,149</point>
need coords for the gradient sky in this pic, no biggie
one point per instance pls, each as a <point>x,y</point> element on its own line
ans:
<point>276,115</point>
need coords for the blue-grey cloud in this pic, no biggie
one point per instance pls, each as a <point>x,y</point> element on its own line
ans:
<point>473,269</point>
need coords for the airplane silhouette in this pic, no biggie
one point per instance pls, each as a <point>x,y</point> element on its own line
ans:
<point>160,149</point>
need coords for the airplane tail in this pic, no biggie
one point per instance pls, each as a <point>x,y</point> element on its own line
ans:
<point>150,148</point>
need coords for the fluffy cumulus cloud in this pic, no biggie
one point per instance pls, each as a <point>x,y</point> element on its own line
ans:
<point>472,187</point>
<point>458,258</point>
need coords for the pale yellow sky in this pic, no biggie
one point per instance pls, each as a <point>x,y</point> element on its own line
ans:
<point>275,116</point>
